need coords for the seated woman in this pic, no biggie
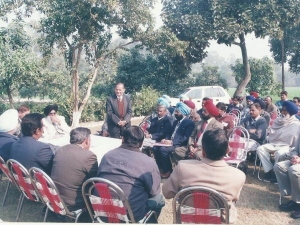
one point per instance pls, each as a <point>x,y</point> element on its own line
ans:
<point>256,124</point>
<point>53,123</point>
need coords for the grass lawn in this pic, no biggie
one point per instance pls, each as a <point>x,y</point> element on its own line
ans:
<point>292,92</point>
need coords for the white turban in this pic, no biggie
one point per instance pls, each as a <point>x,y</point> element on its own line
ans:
<point>9,120</point>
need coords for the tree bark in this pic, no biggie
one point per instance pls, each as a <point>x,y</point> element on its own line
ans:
<point>10,98</point>
<point>282,62</point>
<point>247,74</point>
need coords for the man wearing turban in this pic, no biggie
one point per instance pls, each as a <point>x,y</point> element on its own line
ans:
<point>249,99</point>
<point>179,135</point>
<point>8,125</point>
<point>208,122</point>
<point>194,116</point>
<point>283,137</point>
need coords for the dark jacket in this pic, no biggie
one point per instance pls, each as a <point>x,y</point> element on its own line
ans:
<point>160,129</point>
<point>135,173</point>
<point>6,141</point>
<point>260,125</point>
<point>183,132</point>
<point>32,153</point>
<point>73,165</point>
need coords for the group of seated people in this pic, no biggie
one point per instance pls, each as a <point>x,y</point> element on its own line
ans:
<point>195,140</point>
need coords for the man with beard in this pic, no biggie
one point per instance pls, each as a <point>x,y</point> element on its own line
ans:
<point>181,131</point>
<point>284,136</point>
<point>208,122</point>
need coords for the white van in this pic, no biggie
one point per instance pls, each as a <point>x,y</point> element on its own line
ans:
<point>196,94</point>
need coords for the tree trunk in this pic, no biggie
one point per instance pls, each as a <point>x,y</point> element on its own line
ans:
<point>282,61</point>
<point>247,74</point>
<point>10,98</point>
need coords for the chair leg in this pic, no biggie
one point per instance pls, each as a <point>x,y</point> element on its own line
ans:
<point>255,162</point>
<point>19,209</point>
<point>46,214</point>
<point>5,195</point>
<point>77,217</point>
<point>259,168</point>
<point>280,199</point>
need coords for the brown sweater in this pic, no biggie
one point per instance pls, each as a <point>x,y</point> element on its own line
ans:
<point>121,109</point>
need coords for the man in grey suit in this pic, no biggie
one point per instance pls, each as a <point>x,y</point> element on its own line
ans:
<point>73,164</point>
<point>118,109</point>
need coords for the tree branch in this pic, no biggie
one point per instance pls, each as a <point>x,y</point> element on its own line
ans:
<point>236,43</point>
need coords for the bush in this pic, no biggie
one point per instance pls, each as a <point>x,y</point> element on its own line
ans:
<point>144,102</point>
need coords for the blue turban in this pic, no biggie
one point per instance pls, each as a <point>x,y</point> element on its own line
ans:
<point>163,101</point>
<point>167,97</point>
<point>260,102</point>
<point>250,97</point>
<point>183,108</point>
<point>290,107</point>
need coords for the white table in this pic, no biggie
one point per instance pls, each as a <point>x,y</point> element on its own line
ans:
<point>99,145</point>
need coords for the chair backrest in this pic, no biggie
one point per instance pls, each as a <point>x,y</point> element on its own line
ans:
<point>200,204</point>
<point>22,179</point>
<point>48,191</point>
<point>238,143</point>
<point>5,170</point>
<point>106,201</point>
<point>237,113</point>
<point>144,125</point>
<point>235,119</point>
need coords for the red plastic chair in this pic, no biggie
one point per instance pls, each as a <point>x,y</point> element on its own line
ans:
<point>111,205</point>
<point>50,196</point>
<point>22,180</point>
<point>5,170</point>
<point>238,145</point>
<point>200,204</point>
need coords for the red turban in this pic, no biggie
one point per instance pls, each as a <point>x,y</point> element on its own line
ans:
<point>211,108</point>
<point>190,104</point>
<point>254,94</point>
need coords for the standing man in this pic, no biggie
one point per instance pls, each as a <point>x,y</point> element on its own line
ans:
<point>283,98</point>
<point>73,164</point>
<point>270,107</point>
<point>118,109</point>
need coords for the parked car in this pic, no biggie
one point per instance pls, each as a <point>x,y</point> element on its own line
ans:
<point>196,94</point>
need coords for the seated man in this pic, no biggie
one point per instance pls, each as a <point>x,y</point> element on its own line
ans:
<point>53,123</point>
<point>135,173</point>
<point>270,107</point>
<point>23,110</point>
<point>263,113</point>
<point>194,116</point>
<point>284,135</point>
<point>28,150</point>
<point>160,126</point>
<point>255,124</point>
<point>283,98</point>
<point>73,164</point>
<point>212,171</point>
<point>250,100</point>
<point>235,105</point>
<point>170,108</point>
<point>287,174</point>
<point>8,125</point>
<point>208,122</point>
<point>224,118</point>
<point>181,131</point>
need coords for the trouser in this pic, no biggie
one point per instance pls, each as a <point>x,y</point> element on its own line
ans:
<point>116,131</point>
<point>288,178</point>
<point>162,158</point>
<point>156,204</point>
<point>264,155</point>
<point>180,153</point>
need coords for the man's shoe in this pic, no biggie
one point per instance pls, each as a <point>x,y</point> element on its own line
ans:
<point>269,175</point>
<point>289,206</point>
<point>296,214</point>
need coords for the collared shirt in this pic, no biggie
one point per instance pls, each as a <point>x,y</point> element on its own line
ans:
<point>173,135</point>
<point>200,138</point>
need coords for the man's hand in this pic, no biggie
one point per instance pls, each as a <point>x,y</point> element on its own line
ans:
<point>122,123</point>
<point>295,160</point>
<point>167,142</point>
<point>147,135</point>
<point>105,133</point>
<point>55,119</point>
<point>252,131</point>
<point>193,150</point>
